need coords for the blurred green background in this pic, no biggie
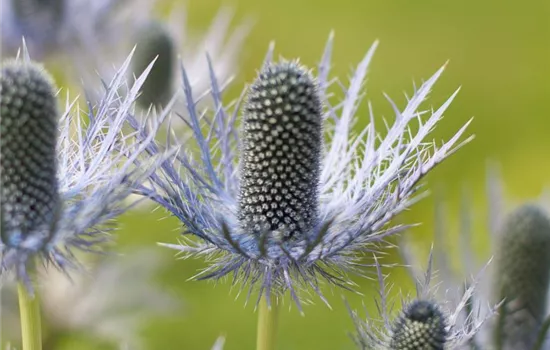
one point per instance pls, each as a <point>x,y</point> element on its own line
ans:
<point>499,53</point>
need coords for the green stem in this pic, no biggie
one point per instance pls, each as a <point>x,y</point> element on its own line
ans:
<point>267,324</point>
<point>29,311</point>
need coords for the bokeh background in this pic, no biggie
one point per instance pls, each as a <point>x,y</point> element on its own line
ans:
<point>498,51</point>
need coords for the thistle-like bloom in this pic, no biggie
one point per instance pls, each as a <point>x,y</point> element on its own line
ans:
<point>164,41</point>
<point>89,35</point>
<point>61,179</point>
<point>155,42</point>
<point>61,27</point>
<point>518,278</point>
<point>522,275</point>
<point>423,323</point>
<point>273,204</point>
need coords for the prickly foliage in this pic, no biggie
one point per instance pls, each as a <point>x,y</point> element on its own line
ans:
<point>425,322</point>
<point>364,180</point>
<point>63,181</point>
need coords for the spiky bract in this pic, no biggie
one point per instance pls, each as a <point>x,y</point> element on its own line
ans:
<point>92,179</point>
<point>364,181</point>
<point>516,291</point>
<point>522,263</point>
<point>28,135</point>
<point>421,326</point>
<point>281,153</point>
<point>423,323</point>
<point>155,43</point>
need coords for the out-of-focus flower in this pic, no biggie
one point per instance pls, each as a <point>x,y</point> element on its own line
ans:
<point>93,36</point>
<point>522,274</point>
<point>155,43</point>
<point>109,302</point>
<point>61,27</point>
<point>274,204</point>
<point>63,178</point>
<point>220,42</point>
<point>518,277</point>
<point>424,322</point>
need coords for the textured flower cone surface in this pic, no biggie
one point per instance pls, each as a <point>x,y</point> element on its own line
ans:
<point>522,276</point>
<point>28,136</point>
<point>422,326</point>
<point>153,40</point>
<point>282,140</point>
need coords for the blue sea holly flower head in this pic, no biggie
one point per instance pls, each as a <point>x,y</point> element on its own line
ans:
<point>424,321</point>
<point>64,177</point>
<point>87,36</point>
<point>78,28</point>
<point>517,280</point>
<point>275,205</point>
<point>171,38</point>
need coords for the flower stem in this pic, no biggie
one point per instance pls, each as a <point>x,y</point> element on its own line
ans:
<point>29,311</point>
<point>267,324</point>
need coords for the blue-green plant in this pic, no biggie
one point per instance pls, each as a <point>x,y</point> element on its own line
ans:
<point>359,189</point>
<point>59,191</point>
<point>424,322</point>
<point>421,325</point>
<point>522,274</point>
<point>518,275</point>
<point>154,42</point>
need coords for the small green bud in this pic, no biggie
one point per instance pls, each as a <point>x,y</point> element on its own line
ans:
<point>154,40</point>
<point>421,326</point>
<point>281,154</point>
<point>28,165</point>
<point>522,261</point>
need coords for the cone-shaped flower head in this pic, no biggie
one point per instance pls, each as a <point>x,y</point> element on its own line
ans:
<point>522,263</point>
<point>61,181</point>
<point>423,323</point>
<point>281,153</point>
<point>421,326</point>
<point>275,206</point>
<point>28,165</point>
<point>155,42</point>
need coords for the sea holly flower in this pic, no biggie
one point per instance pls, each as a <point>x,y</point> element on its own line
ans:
<point>275,205</point>
<point>171,38</point>
<point>521,277</point>
<point>60,27</point>
<point>62,179</point>
<point>517,281</point>
<point>423,322</point>
<point>88,36</point>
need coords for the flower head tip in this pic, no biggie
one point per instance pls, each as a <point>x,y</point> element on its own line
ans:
<point>28,166</point>
<point>281,152</point>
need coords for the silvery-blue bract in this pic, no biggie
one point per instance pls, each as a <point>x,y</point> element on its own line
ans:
<point>425,321</point>
<point>95,173</point>
<point>364,179</point>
